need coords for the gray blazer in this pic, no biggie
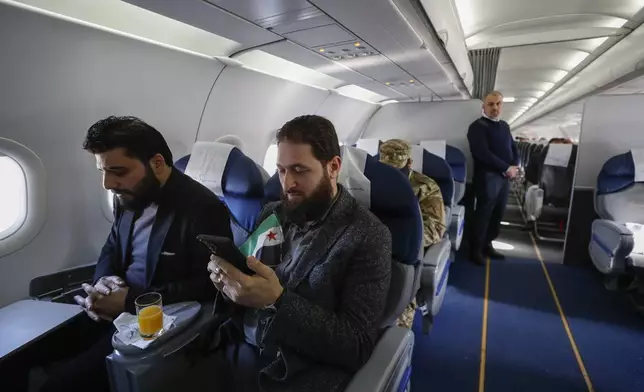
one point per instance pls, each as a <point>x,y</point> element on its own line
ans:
<point>328,320</point>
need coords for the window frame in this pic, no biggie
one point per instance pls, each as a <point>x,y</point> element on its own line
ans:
<point>36,196</point>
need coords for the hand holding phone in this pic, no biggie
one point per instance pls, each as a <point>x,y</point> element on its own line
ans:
<point>224,248</point>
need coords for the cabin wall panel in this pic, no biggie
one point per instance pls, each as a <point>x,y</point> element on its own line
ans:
<point>57,79</point>
<point>349,116</point>
<point>417,121</point>
<point>253,105</point>
<point>611,125</point>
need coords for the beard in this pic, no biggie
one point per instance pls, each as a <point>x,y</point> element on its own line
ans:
<point>312,207</point>
<point>143,194</point>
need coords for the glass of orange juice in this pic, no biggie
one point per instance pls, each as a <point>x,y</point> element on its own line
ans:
<point>149,311</point>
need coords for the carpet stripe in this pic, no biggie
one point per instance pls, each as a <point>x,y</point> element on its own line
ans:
<point>486,295</point>
<point>564,320</point>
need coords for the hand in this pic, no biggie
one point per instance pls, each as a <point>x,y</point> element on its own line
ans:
<point>512,171</point>
<point>87,303</point>
<point>257,291</point>
<point>106,284</point>
<point>104,301</point>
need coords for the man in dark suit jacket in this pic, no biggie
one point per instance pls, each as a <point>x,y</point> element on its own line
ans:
<point>152,245</point>
<point>313,322</point>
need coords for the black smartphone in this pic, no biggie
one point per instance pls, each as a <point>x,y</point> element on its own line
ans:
<point>223,247</point>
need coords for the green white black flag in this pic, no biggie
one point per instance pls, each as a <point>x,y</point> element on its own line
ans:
<point>265,242</point>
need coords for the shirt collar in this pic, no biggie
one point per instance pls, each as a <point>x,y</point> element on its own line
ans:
<point>490,118</point>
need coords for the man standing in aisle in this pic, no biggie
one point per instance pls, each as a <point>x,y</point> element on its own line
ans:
<point>495,163</point>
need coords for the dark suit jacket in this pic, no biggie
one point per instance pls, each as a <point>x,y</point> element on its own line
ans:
<point>176,261</point>
<point>328,320</point>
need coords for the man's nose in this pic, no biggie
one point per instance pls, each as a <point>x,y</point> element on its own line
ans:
<point>288,181</point>
<point>109,183</point>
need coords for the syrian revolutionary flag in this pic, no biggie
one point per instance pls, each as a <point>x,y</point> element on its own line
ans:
<point>265,242</point>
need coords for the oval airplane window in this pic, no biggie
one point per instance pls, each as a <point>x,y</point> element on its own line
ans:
<point>13,196</point>
<point>270,159</point>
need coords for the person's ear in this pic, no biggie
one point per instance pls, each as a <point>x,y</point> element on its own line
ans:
<point>333,167</point>
<point>157,163</point>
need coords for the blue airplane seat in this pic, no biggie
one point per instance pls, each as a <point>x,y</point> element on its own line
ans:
<point>232,176</point>
<point>617,246</point>
<point>458,163</point>
<point>436,261</point>
<point>388,195</point>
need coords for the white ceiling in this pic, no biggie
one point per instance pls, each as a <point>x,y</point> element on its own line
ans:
<point>384,54</point>
<point>542,41</point>
<point>567,120</point>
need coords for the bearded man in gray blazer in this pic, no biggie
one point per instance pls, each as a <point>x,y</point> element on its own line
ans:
<point>312,322</point>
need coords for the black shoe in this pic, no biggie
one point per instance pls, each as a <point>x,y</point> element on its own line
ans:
<point>493,254</point>
<point>477,258</point>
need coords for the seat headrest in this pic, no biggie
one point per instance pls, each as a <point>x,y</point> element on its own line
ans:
<point>352,175</point>
<point>371,146</point>
<point>392,200</point>
<point>618,173</point>
<point>435,168</point>
<point>223,169</point>
<point>436,147</point>
<point>457,161</point>
<point>558,155</point>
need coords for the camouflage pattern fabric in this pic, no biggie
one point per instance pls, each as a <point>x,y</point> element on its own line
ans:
<point>395,152</point>
<point>406,319</point>
<point>432,207</point>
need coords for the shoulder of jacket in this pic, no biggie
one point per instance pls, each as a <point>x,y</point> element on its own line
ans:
<point>422,179</point>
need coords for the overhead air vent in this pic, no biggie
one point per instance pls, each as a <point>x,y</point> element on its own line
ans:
<point>484,64</point>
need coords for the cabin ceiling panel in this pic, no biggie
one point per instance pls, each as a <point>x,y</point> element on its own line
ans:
<point>262,10</point>
<point>381,89</point>
<point>303,56</point>
<point>517,17</point>
<point>208,17</point>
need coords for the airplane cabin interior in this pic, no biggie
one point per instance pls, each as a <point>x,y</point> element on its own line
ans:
<point>562,311</point>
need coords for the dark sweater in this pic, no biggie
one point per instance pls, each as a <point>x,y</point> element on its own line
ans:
<point>492,145</point>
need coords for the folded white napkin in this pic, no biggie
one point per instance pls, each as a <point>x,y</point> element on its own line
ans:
<point>128,329</point>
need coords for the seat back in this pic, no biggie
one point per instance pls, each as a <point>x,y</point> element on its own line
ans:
<point>389,196</point>
<point>232,176</point>
<point>619,195</point>
<point>557,174</point>
<point>458,163</point>
<point>437,169</point>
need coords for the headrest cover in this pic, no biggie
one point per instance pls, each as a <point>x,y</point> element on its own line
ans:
<point>638,161</point>
<point>417,153</point>
<point>436,147</point>
<point>352,175</point>
<point>395,152</point>
<point>207,164</point>
<point>558,155</point>
<point>617,174</point>
<point>369,145</point>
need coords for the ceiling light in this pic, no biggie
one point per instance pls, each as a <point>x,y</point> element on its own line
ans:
<point>388,102</point>
<point>357,44</point>
<point>509,99</point>
<point>412,81</point>
<point>388,83</point>
<point>322,50</point>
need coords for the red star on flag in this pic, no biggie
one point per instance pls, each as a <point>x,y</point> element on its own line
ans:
<point>271,236</point>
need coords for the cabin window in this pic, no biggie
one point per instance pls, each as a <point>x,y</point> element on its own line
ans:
<point>13,196</point>
<point>270,159</point>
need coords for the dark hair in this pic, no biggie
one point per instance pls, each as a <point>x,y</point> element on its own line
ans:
<point>314,130</point>
<point>140,140</point>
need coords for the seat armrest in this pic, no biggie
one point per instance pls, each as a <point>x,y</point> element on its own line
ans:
<point>59,283</point>
<point>437,253</point>
<point>611,243</point>
<point>388,364</point>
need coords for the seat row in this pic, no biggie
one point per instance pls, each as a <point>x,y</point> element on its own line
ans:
<point>545,187</point>
<point>617,241</point>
